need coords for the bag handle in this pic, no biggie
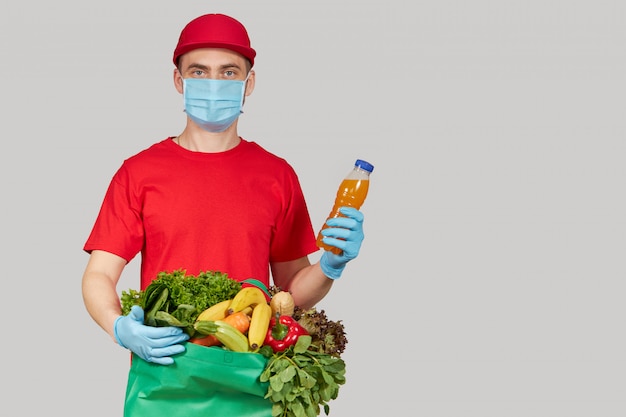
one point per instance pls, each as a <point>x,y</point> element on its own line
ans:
<point>259,284</point>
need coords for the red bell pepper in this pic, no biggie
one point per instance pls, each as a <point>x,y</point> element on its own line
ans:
<point>283,332</point>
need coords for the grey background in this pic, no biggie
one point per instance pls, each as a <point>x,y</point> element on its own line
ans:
<point>491,281</point>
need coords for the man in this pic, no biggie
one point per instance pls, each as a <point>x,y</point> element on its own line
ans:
<point>208,200</point>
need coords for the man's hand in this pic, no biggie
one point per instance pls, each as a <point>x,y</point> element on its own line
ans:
<point>152,344</point>
<point>345,233</point>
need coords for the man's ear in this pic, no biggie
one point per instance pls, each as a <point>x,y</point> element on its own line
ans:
<point>178,81</point>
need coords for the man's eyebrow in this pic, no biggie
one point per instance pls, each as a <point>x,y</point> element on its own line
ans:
<point>198,66</point>
<point>205,68</point>
<point>231,65</point>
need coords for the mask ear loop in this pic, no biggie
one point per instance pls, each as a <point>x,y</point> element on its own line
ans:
<point>243,93</point>
<point>184,91</point>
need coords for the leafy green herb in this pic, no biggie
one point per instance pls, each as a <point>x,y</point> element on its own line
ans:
<point>130,298</point>
<point>301,380</point>
<point>176,299</point>
<point>328,336</point>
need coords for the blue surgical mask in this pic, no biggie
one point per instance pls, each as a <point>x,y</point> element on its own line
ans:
<point>213,104</point>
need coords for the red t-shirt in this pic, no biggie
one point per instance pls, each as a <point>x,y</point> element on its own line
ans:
<point>232,212</point>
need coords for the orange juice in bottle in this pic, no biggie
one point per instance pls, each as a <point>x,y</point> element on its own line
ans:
<point>351,193</point>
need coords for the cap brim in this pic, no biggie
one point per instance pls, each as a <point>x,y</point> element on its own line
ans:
<point>246,52</point>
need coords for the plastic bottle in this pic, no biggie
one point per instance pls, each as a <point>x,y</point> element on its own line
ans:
<point>351,193</point>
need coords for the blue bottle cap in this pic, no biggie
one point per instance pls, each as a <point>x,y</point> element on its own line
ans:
<point>364,165</point>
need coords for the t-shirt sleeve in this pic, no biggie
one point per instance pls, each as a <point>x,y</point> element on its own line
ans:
<point>118,227</point>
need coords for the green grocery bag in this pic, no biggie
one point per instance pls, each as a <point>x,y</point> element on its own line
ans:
<point>203,381</point>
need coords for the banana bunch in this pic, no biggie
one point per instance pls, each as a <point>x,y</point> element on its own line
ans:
<point>243,336</point>
<point>246,297</point>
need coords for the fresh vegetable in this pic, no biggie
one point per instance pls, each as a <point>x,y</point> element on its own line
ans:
<point>226,333</point>
<point>283,332</point>
<point>205,340</point>
<point>282,302</point>
<point>239,320</point>
<point>181,297</point>
<point>327,335</point>
<point>301,380</point>
<point>230,337</point>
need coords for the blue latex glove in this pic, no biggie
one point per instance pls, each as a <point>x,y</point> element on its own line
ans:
<point>152,344</point>
<point>345,233</point>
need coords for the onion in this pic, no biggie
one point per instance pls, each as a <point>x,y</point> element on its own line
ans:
<point>282,303</point>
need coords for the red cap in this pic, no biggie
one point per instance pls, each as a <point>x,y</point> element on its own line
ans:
<point>214,31</point>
